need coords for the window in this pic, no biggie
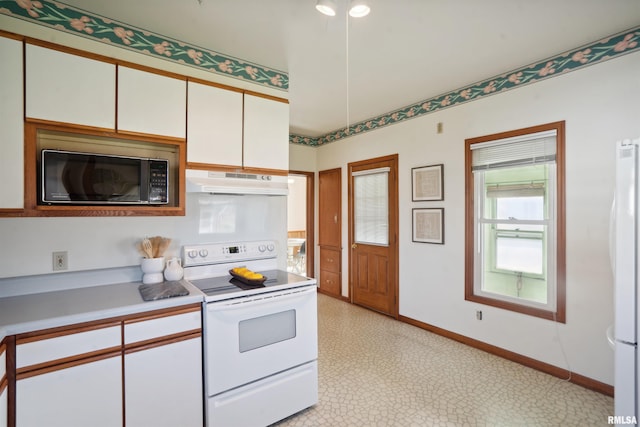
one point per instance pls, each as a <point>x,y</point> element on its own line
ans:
<point>371,207</point>
<point>515,221</point>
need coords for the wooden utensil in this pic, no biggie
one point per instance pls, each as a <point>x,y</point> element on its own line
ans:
<point>148,248</point>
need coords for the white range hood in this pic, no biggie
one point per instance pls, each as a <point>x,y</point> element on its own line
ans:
<point>201,181</point>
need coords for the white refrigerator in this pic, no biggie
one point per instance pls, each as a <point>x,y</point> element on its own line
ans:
<point>626,255</point>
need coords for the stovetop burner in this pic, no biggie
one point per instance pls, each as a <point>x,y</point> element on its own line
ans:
<point>223,285</point>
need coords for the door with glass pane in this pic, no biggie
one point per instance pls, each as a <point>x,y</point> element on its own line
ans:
<point>373,231</point>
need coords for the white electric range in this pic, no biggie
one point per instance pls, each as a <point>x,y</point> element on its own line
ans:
<point>261,340</point>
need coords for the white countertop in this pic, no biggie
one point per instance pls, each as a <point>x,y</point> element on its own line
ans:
<point>25,313</point>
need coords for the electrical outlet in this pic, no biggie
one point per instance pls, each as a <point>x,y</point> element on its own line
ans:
<point>60,261</point>
<point>479,314</point>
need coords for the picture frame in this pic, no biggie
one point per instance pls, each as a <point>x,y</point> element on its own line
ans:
<point>428,225</point>
<point>427,183</point>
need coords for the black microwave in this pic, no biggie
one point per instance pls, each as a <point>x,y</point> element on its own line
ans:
<point>76,178</point>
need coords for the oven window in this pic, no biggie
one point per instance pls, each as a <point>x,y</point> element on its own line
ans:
<point>266,330</point>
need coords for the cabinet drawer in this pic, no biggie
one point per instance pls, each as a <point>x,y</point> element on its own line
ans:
<point>53,346</point>
<point>329,281</point>
<point>149,328</point>
<point>330,260</point>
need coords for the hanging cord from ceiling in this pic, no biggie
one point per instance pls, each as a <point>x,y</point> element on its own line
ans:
<point>347,66</point>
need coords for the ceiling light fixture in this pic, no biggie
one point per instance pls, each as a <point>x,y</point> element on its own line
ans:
<point>359,8</point>
<point>327,7</point>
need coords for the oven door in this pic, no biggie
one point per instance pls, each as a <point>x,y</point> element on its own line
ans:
<point>258,336</point>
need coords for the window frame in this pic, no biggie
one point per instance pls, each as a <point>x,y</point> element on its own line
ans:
<point>559,313</point>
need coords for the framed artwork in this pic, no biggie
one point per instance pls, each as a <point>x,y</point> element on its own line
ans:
<point>428,225</point>
<point>427,183</point>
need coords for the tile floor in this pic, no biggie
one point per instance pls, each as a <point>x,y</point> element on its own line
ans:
<point>375,371</point>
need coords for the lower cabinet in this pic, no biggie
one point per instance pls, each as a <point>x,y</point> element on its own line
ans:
<point>163,370</point>
<point>4,383</point>
<point>3,406</point>
<point>88,394</point>
<point>163,385</point>
<point>330,271</point>
<point>136,370</point>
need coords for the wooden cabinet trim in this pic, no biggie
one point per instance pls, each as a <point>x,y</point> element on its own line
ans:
<point>262,95</point>
<point>82,128</point>
<point>31,207</point>
<point>159,314</point>
<point>9,35</point>
<point>214,84</point>
<point>69,50</point>
<point>62,331</point>
<point>67,362</point>
<point>4,380</point>
<point>238,168</point>
<point>162,341</point>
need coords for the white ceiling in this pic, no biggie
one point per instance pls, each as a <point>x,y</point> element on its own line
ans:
<point>405,51</point>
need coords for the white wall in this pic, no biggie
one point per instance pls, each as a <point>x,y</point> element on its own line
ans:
<point>600,105</point>
<point>297,203</point>
<point>101,243</point>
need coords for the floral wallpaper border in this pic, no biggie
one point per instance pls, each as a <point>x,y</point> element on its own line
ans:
<point>66,18</point>
<point>602,50</point>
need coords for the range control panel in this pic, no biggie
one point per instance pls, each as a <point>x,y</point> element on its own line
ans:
<point>217,253</point>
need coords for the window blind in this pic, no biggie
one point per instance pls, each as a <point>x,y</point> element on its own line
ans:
<point>529,149</point>
<point>533,189</point>
<point>371,206</point>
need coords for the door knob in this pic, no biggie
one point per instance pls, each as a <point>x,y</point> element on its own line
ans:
<point>354,245</point>
<point>335,219</point>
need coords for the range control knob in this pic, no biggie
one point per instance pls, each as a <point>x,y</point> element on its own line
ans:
<point>192,253</point>
<point>270,247</point>
<point>262,248</point>
<point>203,253</point>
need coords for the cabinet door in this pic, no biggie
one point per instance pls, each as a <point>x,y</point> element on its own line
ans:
<point>88,394</point>
<point>330,208</point>
<point>151,103</point>
<point>3,406</point>
<point>330,271</point>
<point>3,386</point>
<point>214,125</point>
<point>11,125</point>
<point>163,385</point>
<point>68,88</point>
<point>266,133</point>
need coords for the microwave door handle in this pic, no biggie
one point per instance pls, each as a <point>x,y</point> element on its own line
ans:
<point>261,300</point>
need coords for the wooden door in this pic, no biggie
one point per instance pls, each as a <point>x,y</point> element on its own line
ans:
<point>330,231</point>
<point>373,231</point>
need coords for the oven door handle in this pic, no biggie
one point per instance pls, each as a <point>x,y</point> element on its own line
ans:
<point>242,303</point>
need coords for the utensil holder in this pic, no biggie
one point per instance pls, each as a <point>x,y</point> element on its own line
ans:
<point>152,269</point>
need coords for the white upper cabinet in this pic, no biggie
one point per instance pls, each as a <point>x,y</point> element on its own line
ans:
<point>266,133</point>
<point>11,125</point>
<point>151,103</point>
<point>68,88</point>
<point>214,125</point>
